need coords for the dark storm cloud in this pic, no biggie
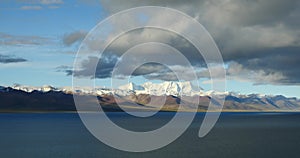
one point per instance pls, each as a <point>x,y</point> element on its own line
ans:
<point>118,47</point>
<point>285,61</point>
<point>142,36</point>
<point>260,40</point>
<point>104,67</point>
<point>235,12</point>
<point>5,59</point>
<point>149,68</point>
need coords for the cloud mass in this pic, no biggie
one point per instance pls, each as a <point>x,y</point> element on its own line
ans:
<point>259,40</point>
<point>8,39</point>
<point>6,59</point>
<point>74,37</point>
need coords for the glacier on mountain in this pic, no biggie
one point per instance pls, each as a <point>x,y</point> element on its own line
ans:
<point>160,89</point>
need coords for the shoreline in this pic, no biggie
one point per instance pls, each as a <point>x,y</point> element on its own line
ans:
<point>199,111</point>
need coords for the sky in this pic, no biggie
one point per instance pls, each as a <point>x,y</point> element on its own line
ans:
<point>259,42</point>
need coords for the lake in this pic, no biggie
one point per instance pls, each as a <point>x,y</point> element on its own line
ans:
<point>62,135</point>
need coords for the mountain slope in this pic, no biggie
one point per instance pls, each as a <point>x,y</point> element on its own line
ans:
<point>135,97</point>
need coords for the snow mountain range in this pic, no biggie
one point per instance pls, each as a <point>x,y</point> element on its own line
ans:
<point>157,89</point>
<point>18,97</point>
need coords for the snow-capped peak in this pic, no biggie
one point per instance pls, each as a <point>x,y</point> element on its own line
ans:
<point>157,89</point>
<point>165,88</point>
<point>23,88</point>
<point>131,86</point>
<point>47,88</point>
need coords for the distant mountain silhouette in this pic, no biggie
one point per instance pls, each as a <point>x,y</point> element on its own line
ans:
<point>54,100</point>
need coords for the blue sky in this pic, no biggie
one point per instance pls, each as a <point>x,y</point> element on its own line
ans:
<point>34,30</point>
<point>49,23</point>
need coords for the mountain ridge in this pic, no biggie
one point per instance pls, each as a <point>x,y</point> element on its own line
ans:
<point>175,89</point>
<point>48,98</point>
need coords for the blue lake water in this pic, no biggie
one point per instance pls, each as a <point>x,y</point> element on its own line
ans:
<point>62,135</point>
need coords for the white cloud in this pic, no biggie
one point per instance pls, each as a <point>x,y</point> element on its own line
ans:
<point>47,2</point>
<point>238,72</point>
<point>37,4</point>
<point>31,8</point>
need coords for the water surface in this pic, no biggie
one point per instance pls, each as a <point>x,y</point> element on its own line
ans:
<point>62,135</point>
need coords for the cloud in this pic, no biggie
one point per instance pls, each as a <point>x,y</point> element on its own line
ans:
<point>104,67</point>
<point>31,8</point>
<point>239,72</point>
<point>259,40</point>
<point>74,37</point>
<point>43,2</point>
<point>108,66</point>
<point>47,2</point>
<point>53,7</point>
<point>7,39</point>
<point>6,59</point>
<point>63,68</point>
<point>249,25</point>
<point>38,4</point>
<point>281,63</point>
